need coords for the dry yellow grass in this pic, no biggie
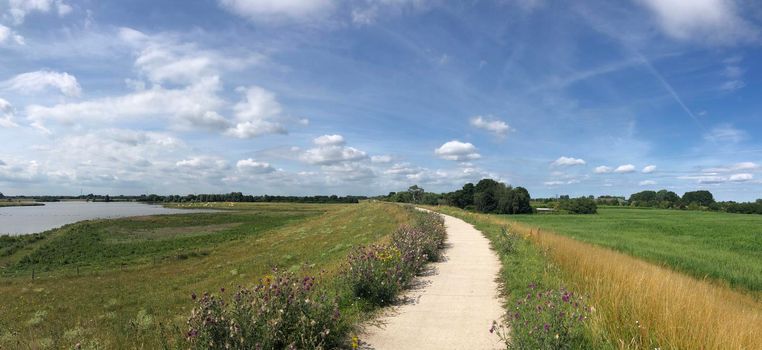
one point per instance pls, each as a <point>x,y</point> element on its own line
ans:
<point>639,305</point>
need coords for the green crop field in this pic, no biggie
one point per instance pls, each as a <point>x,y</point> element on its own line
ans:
<point>117,283</point>
<point>720,246</point>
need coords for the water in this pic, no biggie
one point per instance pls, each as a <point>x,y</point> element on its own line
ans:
<point>24,220</point>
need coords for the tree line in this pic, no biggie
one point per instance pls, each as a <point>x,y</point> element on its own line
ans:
<point>224,197</point>
<point>692,200</point>
<point>487,196</point>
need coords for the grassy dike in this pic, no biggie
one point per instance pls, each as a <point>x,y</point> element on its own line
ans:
<point>127,283</point>
<point>637,304</point>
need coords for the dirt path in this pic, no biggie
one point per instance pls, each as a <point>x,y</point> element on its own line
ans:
<point>453,308</point>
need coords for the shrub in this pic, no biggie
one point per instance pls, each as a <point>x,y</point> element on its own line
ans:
<point>580,205</point>
<point>505,243</point>
<point>281,312</point>
<point>377,273</point>
<point>551,319</point>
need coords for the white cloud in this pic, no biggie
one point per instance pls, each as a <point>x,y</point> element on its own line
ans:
<point>381,159</point>
<point>568,161</point>
<point>623,169</point>
<point>251,166</point>
<point>40,80</point>
<point>329,140</point>
<point>649,169</point>
<point>733,167</point>
<point>192,106</point>
<point>7,33</point>
<point>162,58</point>
<point>741,177</point>
<point>19,9</point>
<point>725,133</point>
<point>331,150</point>
<point>498,127</point>
<point>201,162</point>
<point>274,10</point>
<point>554,183</point>
<point>647,183</point>
<point>7,114</point>
<point>705,21</point>
<point>257,114</point>
<point>457,151</point>
<point>602,169</point>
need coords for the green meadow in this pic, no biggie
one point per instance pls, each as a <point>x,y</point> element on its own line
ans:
<point>126,283</point>
<point>723,247</point>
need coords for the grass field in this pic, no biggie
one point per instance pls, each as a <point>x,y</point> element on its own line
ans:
<point>638,305</point>
<point>719,246</point>
<point>112,283</point>
<point>19,204</point>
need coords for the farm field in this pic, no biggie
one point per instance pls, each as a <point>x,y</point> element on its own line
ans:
<point>722,247</point>
<point>635,304</point>
<point>19,204</point>
<point>117,283</point>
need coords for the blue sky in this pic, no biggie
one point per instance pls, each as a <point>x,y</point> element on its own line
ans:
<point>372,96</point>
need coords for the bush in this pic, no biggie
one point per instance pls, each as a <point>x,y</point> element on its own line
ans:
<point>552,319</point>
<point>506,242</point>
<point>281,312</point>
<point>580,205</point>
<point>377,273</point>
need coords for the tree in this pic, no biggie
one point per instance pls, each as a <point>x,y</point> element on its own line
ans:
<point>416,193</point>
<point>703,198</point>
<point>486,195</point>
<point>2,196</point>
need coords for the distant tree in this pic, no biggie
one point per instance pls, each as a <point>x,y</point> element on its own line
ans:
<point>107,199</point>
<point>416,193</point>
<point>582,205</point>
<point>486,195</point>
<point>702,198</point>
<point>2,195</point>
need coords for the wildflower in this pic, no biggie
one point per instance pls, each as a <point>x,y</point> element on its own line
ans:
<point>355,342</point>
<point>193,296</point>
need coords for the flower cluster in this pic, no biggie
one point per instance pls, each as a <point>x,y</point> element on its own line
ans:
<point>550,319</point>
<point>378,273</point>
<point>281,312</point>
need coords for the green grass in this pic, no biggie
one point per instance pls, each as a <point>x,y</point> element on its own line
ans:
<point>524,265</point>
<point>136,274</point>
<point>4,203</point>
<point>720,246</point>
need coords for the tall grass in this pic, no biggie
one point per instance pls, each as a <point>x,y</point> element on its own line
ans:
<point>639,305</point>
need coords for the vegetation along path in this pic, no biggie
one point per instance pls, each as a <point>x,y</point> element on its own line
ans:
<point>455,305</point>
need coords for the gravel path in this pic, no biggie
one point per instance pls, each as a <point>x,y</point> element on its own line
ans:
<point>453,307</point>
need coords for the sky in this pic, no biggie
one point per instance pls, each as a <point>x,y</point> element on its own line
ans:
<point>364,97</point>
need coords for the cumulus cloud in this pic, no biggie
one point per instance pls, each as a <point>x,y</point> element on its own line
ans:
<point>41,80</point>
<point>649,169</point>
<point>331,150</point>
<point>568,161</point>
<point>495,126</point>
<point>250,166</point>
<point>273,10</point>
<point>725,133</point>
<point>624,169</point>
<point>712,21</point>
<point>381,159</point>
<point>257,114</point>
<point>602,169</point>
<point>457,151</point>
<point>329,140</point>
<point>7,113</point>
<point>741,177</point>
<point>19,9</point>
<point>162,58</point>
<point>7,34</point>
<point>194,105</point>
<point>647,183</point>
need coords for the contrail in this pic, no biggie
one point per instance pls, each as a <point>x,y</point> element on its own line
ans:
<point>670,90</point>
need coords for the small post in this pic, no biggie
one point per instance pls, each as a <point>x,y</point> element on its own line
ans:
<point>33,274</point>
<point>77,270</point>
